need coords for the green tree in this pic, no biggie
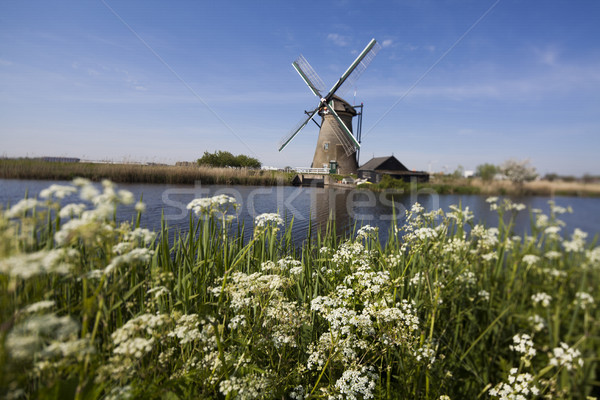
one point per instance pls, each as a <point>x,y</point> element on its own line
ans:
<point>486,171</point>
<point>226,159</point>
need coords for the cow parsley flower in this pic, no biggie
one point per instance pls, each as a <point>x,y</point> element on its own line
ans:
<point>541,298</point>
<point>57,191</point>
<point>584,300</point>
<point>565,356</point>
<point>268,219</point>
<point>538,323</point>
<point>22,207</point>
<point>530,259</point>
<point>356,384</point>
<point>72,210</point>
<point>519,387</point>
<point>523,344</point>
<point>218,205</point>
<point>367,231</point>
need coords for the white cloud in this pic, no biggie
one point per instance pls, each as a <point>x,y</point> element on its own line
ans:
<point>338,39</point>
<point>386,43</point>
<point>548,56</point>
<point>5,63</point>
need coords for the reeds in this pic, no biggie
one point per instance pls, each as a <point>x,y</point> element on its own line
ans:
<point>445,309</point>
<point>136,173</point>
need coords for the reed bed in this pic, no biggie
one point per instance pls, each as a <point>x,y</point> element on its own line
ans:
<point>505,187</point>
<point>446,309</point>
<point>137,173</point>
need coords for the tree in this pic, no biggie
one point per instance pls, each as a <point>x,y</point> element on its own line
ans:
<point>518,171</point>
<point>226,159</point>
<point>486,171</point>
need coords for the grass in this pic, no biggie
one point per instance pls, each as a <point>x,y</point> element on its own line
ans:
<point>92,309</point>
<point>136,173</point>
<point>450,185</point>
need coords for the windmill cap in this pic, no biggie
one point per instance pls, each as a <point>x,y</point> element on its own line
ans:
<point>342,106</point>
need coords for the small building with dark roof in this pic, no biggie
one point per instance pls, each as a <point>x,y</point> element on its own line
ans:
<point>374,169</point>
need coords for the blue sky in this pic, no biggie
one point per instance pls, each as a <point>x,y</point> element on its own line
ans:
<point>456,82</point>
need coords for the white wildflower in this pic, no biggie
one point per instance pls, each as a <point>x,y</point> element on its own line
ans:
<point>22,207</point>
<point>219,205</point>
<point>268,219</point>
<point>542,298</point>
<point>519,387</point>
<point>72,210</point>
<point>355,384</point>
<point>584,300</point>
<point>530,259</point>
<point>367,231</point>
<point>565,356</point>
<point>537,322</point>
<point>39,306</point>
<point>523,344</point>
<point>57,191</point>
<point>553,255</point>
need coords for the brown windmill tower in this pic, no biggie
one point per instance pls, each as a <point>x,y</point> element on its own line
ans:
<point>336,142</point>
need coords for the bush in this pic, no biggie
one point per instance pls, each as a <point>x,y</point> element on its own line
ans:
<point>486,171</point>
<point>226,159</point>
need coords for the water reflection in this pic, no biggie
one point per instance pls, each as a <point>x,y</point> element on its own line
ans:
<point>314,206</point>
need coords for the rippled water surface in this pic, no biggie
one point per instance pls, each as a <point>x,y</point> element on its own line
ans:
<point>313,206</point>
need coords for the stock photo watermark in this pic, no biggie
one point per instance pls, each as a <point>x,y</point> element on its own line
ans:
<point>303,203</point>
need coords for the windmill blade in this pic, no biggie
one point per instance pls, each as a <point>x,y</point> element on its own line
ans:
<point>342,137</point>
<point>309,76</point>
<point>342,126</point>
<point>288,138</point>
<point>356,68</point>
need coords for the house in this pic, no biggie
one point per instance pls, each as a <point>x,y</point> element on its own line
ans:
<point>374,169</point>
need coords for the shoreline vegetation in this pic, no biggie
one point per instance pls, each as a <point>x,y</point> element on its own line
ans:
<point>445,309</point>
<point>138,173</point>
<point>452,185</point>
<point>191,173</point>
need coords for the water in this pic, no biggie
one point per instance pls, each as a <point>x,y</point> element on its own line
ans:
<point>313,206</point>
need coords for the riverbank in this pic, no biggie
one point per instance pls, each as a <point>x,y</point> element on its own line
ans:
<point>137,173</point>
<point>446,185</point>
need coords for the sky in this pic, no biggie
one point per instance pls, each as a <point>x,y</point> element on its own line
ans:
<point>456,83</point>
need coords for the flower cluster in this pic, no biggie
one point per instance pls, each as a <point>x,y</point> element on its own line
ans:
<point>518,387</point>
<point>218,205</point>
<point>524,344</point>
<point>566,356</point>
<point>541,298</point>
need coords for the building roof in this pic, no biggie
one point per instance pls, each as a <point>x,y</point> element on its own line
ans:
<point>389,163</point>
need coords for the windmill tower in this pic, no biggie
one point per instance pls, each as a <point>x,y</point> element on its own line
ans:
<point>336,141</point>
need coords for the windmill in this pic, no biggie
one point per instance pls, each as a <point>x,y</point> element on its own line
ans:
<point>336,141</point>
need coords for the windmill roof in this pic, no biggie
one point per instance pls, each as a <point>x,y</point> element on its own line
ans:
<point>341,105</point>
<point>389,163</point>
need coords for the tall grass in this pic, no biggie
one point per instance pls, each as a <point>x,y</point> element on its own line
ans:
<point>445,309</point>
<point>136,173</point>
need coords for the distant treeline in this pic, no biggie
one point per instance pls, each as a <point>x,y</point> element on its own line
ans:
<point>226,159</point>
<point>27,168</point>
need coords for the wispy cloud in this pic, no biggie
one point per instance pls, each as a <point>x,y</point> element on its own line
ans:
<point>5,63</point>
<point>338,40</point>
<point>387,43</point>
<point>548,55</point>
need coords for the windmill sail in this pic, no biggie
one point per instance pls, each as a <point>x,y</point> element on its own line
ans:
<point>342,136</point>
<point>357,67</point>
<point>342,127</point>
<point>309,76</point>
<point>357,72</point>
<point>288,138</point>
